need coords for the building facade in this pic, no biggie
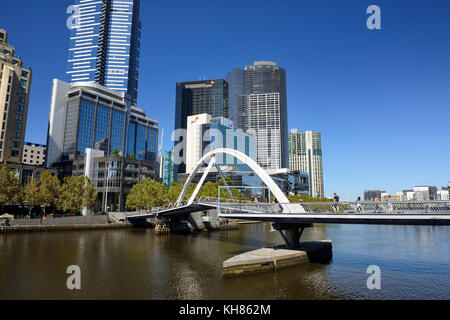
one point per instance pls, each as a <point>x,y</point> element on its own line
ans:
<point>87,115</point>
<point>15,84</point>
<point>105,44</point>
<point>198,97</point>
<point>205,133</point>
<point>305,153</point>
<point>370,195</point>
<point>142,136</point>
<point>34,154</point>
<point>113,177</point>
<point>425,193</point>
<point>258,105</point>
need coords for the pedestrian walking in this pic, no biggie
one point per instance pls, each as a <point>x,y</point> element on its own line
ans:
<point>336,203</point>
<point>390,206</point>
<point>377,204</point>
<point>358,205</point>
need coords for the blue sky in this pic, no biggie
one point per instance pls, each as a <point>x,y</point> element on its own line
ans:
<point>380,98</point>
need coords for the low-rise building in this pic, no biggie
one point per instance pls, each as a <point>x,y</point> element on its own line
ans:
<point>425,193</point>
<point>113,176</point>
<point>369,195</point>
<point>34,154</point>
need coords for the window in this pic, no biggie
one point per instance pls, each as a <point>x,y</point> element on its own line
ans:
<point>20,108</point>
<point>22,90</point>
<point>21,99</point>
<point>23,82</point>
<point>17,135</point>
<point>19,117</point>
<point>18,126</point>
<point>24,74</point>
<point>14,153</point>
<point>16,144</point>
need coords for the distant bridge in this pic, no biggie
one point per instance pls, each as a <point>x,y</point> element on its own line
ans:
<point>293,218</point>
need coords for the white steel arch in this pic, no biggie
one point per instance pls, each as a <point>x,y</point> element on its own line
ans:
<point>211,156</point>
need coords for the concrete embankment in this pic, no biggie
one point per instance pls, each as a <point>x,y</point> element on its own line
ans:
<point>89,223</point>
<point>271,259</point>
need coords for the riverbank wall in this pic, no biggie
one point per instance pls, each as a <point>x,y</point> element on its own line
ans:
<point>88,223</point>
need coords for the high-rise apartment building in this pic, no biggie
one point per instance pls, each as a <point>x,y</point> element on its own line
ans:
<point>105,43</point>
<point>305,153</point>
<point>15,84</point>
<point>258,105</point>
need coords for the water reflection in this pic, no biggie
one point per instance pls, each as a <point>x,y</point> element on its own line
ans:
<point>137,264</point>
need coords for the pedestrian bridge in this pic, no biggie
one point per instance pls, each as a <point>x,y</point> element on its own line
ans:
<point>284,212</point>
<point>383,213</point>
<point>291,219</point>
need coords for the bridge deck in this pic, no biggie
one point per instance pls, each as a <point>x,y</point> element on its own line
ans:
<point>174,212</point>
<point>400,213</point>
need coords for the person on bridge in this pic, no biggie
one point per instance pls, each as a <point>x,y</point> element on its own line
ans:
<point>390,206</point>
<point>336,203</point>
<point>358,205</point>
<point>377,204</point>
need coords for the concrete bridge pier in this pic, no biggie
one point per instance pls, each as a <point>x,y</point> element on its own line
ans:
<point>291,232</point>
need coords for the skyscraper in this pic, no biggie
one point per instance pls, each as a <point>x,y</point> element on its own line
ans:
<point>15,84</point>
<point>305,153</point>
<point>199,97</point>
<point>105,44</point>
<point>258,105</point>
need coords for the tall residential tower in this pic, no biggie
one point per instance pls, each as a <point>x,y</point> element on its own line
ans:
<point>105,44</point>
<point>305,153</point>
<point>15,83</point>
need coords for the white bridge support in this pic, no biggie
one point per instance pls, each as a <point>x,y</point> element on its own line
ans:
<point>273,187</point>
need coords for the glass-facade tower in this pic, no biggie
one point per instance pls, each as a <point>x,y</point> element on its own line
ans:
<point>199,97</point>
<point>258,105</point>
<point>105,43</point>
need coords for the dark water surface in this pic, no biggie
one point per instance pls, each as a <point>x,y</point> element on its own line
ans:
<point>137,264</point>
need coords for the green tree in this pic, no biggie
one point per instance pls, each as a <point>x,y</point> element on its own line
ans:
<point>146,195</point>
<point>209,190</point>
<point>49,188</point>
<point>115,153</point>
<point>77,193</point>
<point>32,194</point>
<point>132,156</point>
<point>10,187</point>
<point>174,192</point>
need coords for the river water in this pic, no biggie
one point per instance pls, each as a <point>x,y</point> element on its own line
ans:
<point>137,264</point>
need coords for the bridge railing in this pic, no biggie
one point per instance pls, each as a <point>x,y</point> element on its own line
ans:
<point>407,207</point>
